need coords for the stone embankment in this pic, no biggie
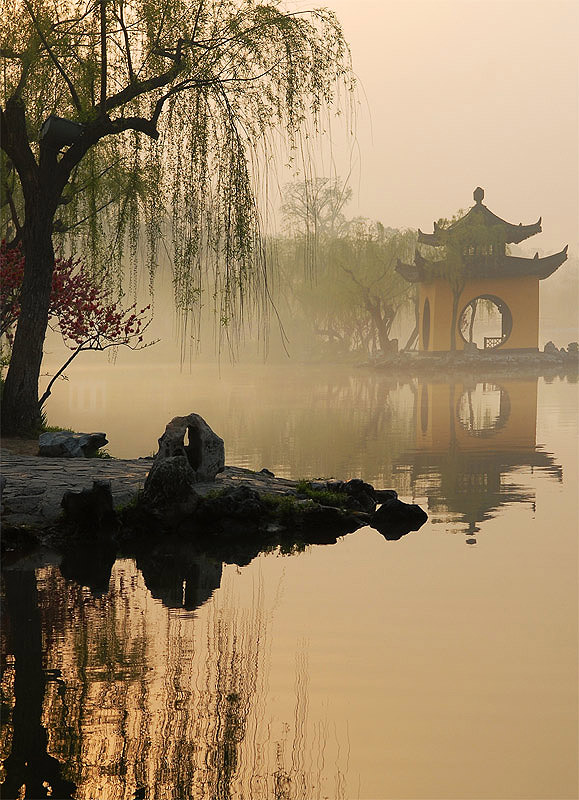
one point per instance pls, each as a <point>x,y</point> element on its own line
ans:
<point>185,490</point>
<point>34,486</point>
<point>551,361</point>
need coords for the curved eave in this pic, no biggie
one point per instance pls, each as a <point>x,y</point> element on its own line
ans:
<point>410,272</point>
<point>537,267</point>
<point>507,267</point>
<point>518,233</point>
<point>512,234</point>
<point>428,238</point>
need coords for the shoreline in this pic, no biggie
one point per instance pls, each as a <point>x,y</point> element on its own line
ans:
<point>534,364</point>
<point>94,509</point>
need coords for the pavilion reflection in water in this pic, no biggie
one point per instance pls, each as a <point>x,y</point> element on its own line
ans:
<point>473,437</point>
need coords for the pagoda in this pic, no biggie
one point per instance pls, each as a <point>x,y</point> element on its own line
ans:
<point>471,284</point>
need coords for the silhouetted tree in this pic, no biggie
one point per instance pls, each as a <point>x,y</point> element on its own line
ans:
<point>118,118</point>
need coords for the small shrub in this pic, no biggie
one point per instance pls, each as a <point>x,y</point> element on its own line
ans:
<point>102,452</point>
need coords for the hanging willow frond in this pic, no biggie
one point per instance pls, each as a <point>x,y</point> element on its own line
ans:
<point>176,100</point>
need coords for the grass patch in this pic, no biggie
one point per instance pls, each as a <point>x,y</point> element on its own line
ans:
<point>322,496</point>
<point>213,494</point>
<point>282,504</point>
<point>55,429</point>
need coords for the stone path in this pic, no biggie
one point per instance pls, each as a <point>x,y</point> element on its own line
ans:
<point>35,485</point>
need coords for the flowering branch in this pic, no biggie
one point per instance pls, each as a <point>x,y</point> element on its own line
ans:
<point>86,315</point>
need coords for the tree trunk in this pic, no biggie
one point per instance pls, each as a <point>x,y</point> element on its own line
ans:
<point>382,322</point>
<point>20,408</point>
<point>474,306</point>
<point>411,339</point>
<point>416,330</point>
<point>454,320</point>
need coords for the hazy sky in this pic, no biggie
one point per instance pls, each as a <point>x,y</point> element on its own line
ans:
<point>456,94</point>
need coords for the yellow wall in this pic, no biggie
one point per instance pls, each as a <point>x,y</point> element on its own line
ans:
<point>520,294</point>
<point>438,425</point>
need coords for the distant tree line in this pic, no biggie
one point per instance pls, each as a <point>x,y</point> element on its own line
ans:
<point>337,288</point>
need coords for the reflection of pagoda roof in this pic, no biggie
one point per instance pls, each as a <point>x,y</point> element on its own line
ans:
<point>484,267</point>
<point>470,483</point>
<point>479,215</point>
<point>481,461</point>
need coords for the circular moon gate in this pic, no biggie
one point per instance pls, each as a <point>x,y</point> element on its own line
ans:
<point>483,409</point>
<point>485,321</point>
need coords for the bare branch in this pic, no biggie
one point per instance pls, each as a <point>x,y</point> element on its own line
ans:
<point>138,88</point>
<point>354,278</point>
<point>57,375</point>
<point>121,19</point>
<point>197,17</point>
<point>13,211</point>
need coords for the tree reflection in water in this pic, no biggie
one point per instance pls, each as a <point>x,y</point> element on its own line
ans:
<point>149,701</point>
<point>29,770</point>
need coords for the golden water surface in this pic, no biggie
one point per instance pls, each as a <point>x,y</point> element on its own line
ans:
<point>443,665</point>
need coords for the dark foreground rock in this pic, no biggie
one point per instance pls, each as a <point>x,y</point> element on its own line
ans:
<point>90,508</point>
<point>246,518</point>
<point>394,519</point>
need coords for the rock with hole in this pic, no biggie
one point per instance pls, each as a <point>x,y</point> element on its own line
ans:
<point>192,437</point>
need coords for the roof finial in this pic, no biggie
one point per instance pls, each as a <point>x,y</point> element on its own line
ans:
<point>478,194</point>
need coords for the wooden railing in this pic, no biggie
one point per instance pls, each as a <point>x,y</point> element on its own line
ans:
<point>493,341</point>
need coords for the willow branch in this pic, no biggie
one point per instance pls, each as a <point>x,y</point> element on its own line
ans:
<point>59,228</point>
<point>94,133</point>
<point>53,58</point>
<point>103,23</point>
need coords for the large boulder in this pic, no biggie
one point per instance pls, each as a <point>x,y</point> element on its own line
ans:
<point>179,464</point>
<point>394,519</point>
<point>361,495</point>
<point>66,444</point>
<point>170,480</point>
<point>204,451</point>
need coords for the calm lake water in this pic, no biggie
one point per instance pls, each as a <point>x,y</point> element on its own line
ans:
<point>443,665</point>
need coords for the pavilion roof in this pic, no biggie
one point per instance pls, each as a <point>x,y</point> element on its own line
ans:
<point>478,215</point>
<point>480,267</point>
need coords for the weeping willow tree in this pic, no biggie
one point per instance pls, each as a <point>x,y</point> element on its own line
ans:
<point>128,117</point>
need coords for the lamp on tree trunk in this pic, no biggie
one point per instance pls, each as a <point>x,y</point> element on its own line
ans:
<point>57,132</point>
